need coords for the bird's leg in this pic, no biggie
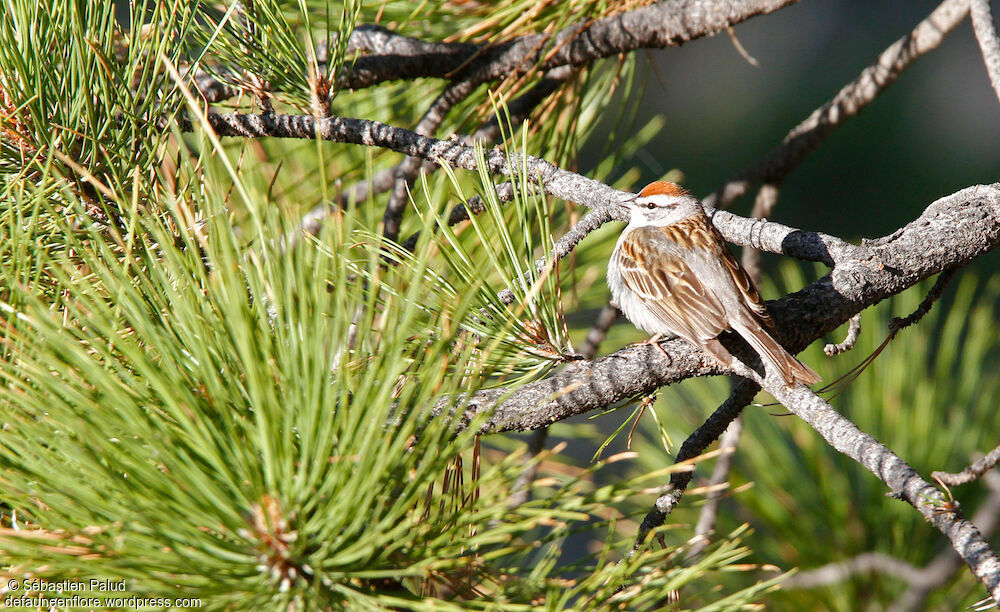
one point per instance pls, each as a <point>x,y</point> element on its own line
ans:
<point>654,340</point>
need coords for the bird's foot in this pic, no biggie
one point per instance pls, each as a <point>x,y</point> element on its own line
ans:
<point>654,340</point>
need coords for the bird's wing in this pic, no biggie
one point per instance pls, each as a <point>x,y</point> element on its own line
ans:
<point>748,291</point>
<point>698,230</point>
<point>652,268</point>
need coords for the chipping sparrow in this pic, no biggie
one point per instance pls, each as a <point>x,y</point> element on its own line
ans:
<point>672,274</point>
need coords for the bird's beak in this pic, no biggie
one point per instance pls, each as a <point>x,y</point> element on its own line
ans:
<point>628,200</point>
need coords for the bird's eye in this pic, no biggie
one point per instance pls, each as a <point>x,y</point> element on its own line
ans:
<point>650,206</point>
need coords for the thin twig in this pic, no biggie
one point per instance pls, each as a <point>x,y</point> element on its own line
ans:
<point>903,481</point>
<point>720,476</point>
<point>741,50</point>
<point>853,331</point>
<point>943,566</point>
<point>565,245</point>
<point>599,331</point>
<point>895,326</point>
<point>521,107</point>
<point>973,472</point>
<point>848,102</point>
<point>899,324</point>
<point>989,42</point>
<point>504,193</point>
<point>521,491</point>
<point>865,563</point>
<point>709,431</point>
<point>406,171</point>
<point>211,89</point>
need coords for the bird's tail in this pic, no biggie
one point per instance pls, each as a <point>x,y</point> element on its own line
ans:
<point>791,369</point>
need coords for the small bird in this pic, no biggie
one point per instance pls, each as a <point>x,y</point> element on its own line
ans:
<point>672,274</point>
